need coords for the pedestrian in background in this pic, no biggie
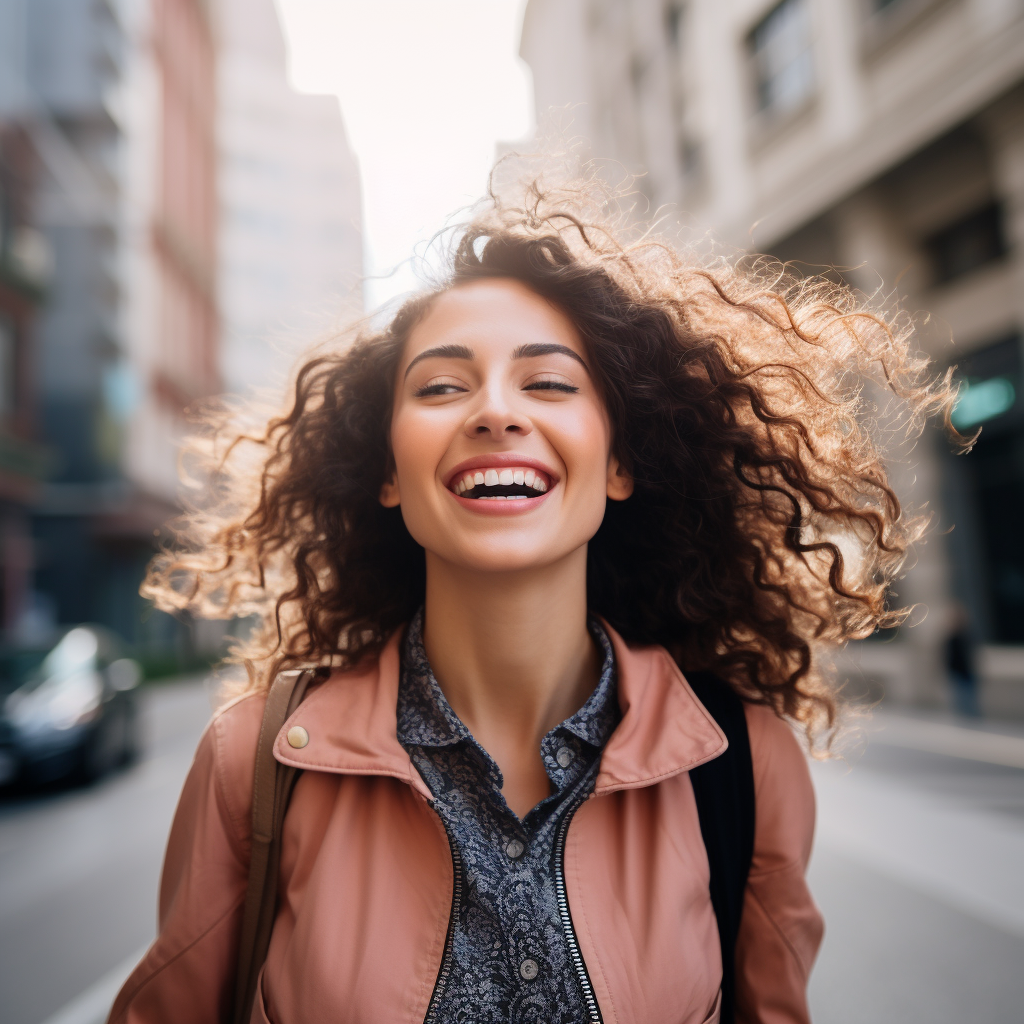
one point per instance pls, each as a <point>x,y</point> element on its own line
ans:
<point>554,551</point>
<point>960,663</point>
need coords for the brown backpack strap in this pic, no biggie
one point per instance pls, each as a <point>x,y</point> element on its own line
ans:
<point>272,789</point>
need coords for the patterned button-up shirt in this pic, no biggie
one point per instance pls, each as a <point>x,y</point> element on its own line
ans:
<point>507,958</point>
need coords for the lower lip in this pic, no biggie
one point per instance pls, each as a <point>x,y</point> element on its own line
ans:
<point>499,507</point>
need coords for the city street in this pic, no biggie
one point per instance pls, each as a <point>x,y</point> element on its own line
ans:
<point>917,868</point>
<point>79,870</point>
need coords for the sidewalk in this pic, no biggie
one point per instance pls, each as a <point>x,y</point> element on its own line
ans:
<point>950,846</point>
<point>918,869</point>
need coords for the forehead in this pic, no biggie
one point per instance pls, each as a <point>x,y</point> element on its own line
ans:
<point>492,317</point>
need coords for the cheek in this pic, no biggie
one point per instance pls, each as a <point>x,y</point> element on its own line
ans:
<point>402,443</point>
<point>414,446</point>
<point>585,444</point>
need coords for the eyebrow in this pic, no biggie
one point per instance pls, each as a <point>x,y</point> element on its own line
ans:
<point>528,351</point>
<point>538,349</point>
<point>443,351</point>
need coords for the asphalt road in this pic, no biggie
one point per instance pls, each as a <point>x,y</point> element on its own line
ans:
<point>917,868</point>
<point>79,870</point>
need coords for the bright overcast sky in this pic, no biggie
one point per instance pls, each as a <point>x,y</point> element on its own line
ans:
<point>427,87</point>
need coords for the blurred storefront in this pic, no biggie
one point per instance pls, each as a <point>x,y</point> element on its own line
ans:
<point>881,138</point>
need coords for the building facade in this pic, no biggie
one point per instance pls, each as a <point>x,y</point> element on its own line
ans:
<point>170,317</point>
<point>118,99</point>
<point>291,250</point>
<point>61,59</point>
<point>881,141</point>
<point>174,220</point>
<point>24,273</point>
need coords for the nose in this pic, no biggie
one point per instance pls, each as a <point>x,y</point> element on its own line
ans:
<point>494,416</point>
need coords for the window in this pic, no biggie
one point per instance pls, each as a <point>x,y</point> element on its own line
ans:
<point>967,244</point>
<point>885,20</point>
<point>986,488</point>
<point>780,47</point>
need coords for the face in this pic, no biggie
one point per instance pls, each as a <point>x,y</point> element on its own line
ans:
<point>501,441</point>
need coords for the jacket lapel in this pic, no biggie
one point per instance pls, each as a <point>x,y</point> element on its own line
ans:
<point>664,730</point>
<point>351,723</point>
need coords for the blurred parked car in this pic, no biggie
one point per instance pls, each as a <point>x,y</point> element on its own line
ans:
<point>68,712</point>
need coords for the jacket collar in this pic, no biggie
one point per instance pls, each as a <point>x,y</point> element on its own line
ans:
<point>664,730</point>
<point>351,720</point>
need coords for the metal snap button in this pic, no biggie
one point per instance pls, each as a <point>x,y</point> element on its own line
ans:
<point>514,848</point>
<point>529,969</point>
<point>297,736</point>
<point>564,756</point>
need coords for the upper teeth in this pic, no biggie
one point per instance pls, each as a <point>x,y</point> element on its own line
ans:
<point>503,477</point>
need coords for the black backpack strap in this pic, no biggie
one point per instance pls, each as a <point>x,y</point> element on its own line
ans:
<point>724,789</point>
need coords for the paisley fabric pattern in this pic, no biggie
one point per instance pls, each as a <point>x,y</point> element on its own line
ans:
<point>509,957</point>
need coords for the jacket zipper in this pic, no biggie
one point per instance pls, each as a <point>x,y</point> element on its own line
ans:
<point>444,973</point>
<point>579,965</point>
<point>593,1010</point>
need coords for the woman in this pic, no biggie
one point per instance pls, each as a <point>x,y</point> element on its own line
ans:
<point>512,522</point>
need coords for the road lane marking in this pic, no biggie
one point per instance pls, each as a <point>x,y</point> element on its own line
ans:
<point>93,1005</point>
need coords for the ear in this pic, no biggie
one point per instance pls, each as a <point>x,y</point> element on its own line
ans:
<point>389,496</point>
<point>620,483</point>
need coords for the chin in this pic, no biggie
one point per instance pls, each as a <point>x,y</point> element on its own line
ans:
<point>502,555</point>
<point>503,560</point>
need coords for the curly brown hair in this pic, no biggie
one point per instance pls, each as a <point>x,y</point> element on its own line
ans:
<point>762,525</point>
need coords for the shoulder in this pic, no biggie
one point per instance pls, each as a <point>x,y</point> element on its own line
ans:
<point>783,790</point>
<point>235,726</point>
<point>781,927</point>
<point>226,758</point>
<point>774,746</point>
<point>229,744</point>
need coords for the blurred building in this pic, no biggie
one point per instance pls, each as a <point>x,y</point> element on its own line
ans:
<point>24,269</point>
<point>174,219</point>
<point>118,101</point>
<point>58,62</point>
<point>291,256</point>
<point>169,273</point>
<point>881,137</point>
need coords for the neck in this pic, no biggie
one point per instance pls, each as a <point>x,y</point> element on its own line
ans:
<point>511,651</point>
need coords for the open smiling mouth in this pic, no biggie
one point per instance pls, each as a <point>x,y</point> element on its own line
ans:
<point>515,484</point>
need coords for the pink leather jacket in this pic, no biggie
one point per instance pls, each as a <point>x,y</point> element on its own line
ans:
<point>366,872</point>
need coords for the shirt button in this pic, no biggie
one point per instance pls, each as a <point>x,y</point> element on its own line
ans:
<point>564,756</point>
<point>529,969</point>
<point>514,849</point>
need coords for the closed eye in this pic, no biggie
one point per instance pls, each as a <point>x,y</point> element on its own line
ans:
<point>438,389</point>
<point>552,385</point>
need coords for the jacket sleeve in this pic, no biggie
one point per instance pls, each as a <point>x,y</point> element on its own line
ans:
<point>781,927</point>
<point>188,972</point>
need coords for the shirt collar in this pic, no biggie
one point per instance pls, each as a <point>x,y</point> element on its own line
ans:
<point>426,719</point>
